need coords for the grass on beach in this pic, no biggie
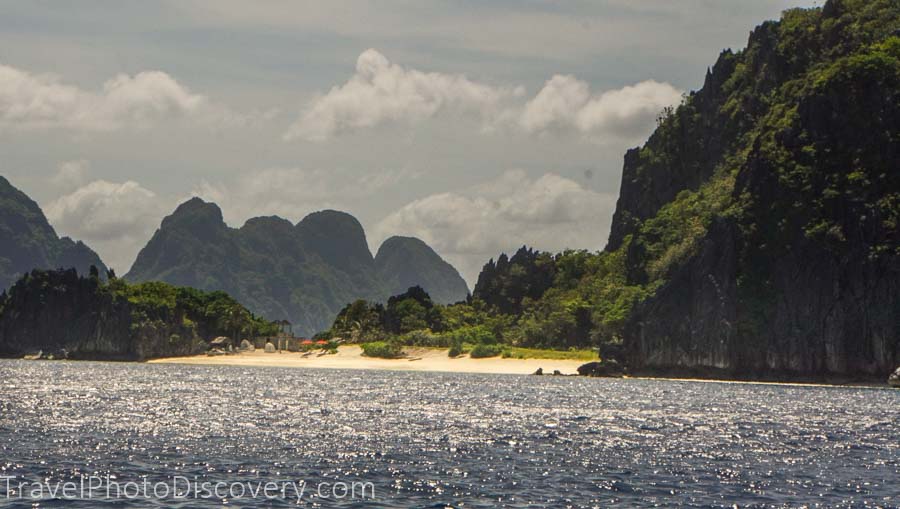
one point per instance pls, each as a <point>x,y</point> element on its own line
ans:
<point>389,350</point>
<point>511,352</point>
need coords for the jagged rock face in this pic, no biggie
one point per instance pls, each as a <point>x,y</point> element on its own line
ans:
<point>304,273</point>
<point>404,262</point>
<point>799,275</point>
<point>654,174</point>
<point>27,241</point>
<point>58,310</point>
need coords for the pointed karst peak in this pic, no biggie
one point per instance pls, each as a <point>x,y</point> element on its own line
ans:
<point>195,213</point>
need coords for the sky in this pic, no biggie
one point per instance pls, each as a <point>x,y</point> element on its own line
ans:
<point>478,126</point>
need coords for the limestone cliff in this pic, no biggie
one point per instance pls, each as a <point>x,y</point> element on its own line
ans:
<point>763,214</point>
<point>67,315</point>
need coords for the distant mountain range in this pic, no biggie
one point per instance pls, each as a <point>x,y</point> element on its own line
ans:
<point>304,273</point>
<point>27,241</point>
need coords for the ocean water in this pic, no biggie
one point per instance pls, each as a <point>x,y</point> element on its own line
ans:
<point>434,440</point>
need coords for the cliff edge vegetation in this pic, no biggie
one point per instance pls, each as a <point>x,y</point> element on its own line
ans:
<point>86,317</point>
<point>756,232</point>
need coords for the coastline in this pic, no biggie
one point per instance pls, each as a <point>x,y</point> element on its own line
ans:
<point>436,360</point>
<point>350,357</point>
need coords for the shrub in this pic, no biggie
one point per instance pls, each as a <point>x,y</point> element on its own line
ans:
<point>482,351</point>
<point>382,349</point>
<point>456,349</point>
<point>424,337</point>
<point>474,334</point>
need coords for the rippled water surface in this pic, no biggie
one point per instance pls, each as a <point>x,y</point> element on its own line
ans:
<point>436,440</point>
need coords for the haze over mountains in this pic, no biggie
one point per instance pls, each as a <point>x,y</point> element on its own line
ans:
<point>303,273</point>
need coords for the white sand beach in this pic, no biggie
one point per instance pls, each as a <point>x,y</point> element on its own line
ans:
<point>350,357</point>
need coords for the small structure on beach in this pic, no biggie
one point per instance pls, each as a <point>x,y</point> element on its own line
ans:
<point>285,334</point>
<point>270,348</point>
<point>220,342</point>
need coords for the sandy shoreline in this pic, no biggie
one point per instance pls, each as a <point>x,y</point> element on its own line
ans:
<point>429,359</point>
<point>350,357</point>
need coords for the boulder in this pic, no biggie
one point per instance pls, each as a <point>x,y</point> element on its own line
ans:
<point>539,372</point>
<point>247,346</point>
<point>597,368</point>
<point>270,348</point>
<point>894,380</point>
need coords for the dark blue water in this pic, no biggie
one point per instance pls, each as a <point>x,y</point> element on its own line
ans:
<point>438,440</point>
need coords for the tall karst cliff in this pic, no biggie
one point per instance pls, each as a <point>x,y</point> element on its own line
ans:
<point>763,215</point>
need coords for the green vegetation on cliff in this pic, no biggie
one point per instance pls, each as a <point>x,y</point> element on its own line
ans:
<point>756,232</point>
<point>89,318</point>
<point>573,300</point>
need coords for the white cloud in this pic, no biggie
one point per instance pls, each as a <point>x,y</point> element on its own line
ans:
<point>115,219</point>
<point>41,101</point>
<point>381,92</point>
<point>71,174</point>
<point>550,213</point>
<point>565,103</point>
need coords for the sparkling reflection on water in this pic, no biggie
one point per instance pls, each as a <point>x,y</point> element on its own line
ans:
<point>459,440</point>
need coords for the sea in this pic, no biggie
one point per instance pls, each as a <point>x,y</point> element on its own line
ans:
<point>92,434</point>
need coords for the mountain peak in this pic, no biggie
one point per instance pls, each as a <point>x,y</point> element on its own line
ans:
<point>195,214</point>
<point>403,262</point>
<point>338,238</point>
<point>27,241</point>
<point>305,272</point>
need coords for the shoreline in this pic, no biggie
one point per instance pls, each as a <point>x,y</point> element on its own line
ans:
<point>350,357</point>
<point>436,360</point>
<point>424,359</point>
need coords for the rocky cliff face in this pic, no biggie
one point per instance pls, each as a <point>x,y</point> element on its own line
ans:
<point>780,177</point>
<point>27,241</point>
<point>66,315</point>
<point>304,273</point>
<point>405,262</point>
